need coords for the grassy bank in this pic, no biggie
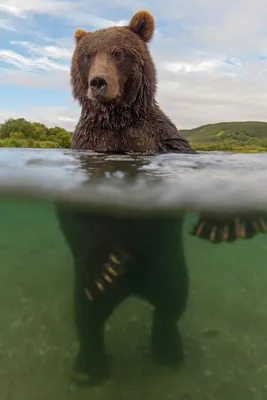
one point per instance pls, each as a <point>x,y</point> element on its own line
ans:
<point>210,146</point>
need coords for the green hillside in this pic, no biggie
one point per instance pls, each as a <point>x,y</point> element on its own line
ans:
<point>236,136</point>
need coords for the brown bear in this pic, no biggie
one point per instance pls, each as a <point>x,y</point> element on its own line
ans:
<point>114,79</point>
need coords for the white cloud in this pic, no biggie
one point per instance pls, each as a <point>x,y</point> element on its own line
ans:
<point>50,116</point>
<point>7,25</point>
<point>74,11</point>
<point>54,52</point>
<point>68,119</point>
<point>191,100</point>
<point>205,66</point>
<point>240,27</point>
<point>20,8</point>
<point>31,64</point>
<point>99,23</point>
<point>52,80</point>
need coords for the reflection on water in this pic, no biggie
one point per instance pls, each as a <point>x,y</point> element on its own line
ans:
<point>223,327</point>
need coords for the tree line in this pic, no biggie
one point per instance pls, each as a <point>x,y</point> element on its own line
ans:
<point>22,133</point>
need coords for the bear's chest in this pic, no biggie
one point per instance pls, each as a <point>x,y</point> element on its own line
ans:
<point>135,139</point>
<point>140,140</point>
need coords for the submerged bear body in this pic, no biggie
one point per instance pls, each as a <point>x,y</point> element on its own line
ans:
<point>119,257</point>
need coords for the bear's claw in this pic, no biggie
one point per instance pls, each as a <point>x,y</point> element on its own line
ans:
<point>218,229</point>
<point>111,269</point>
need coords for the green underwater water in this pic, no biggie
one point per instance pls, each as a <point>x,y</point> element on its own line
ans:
<point>224,327</point>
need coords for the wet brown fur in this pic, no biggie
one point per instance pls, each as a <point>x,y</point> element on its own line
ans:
<point>128,118</point>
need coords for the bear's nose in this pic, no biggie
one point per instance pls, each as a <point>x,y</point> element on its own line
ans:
<point>98,82</point>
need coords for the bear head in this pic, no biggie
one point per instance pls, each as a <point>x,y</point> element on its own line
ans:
<point>112,67</point>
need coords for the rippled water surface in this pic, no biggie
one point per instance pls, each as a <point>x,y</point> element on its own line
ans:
<point>224,325</point>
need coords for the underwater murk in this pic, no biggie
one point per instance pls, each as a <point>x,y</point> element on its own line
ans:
<point>165,221</point>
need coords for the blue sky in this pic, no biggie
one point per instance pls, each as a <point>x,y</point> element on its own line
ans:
<point>211,57</point>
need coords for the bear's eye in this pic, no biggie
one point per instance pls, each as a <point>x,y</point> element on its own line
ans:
<point>117,55</point>
<point>87,57</point>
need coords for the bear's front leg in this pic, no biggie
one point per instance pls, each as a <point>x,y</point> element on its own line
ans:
<point>93,306</point>
<point>91,364</point>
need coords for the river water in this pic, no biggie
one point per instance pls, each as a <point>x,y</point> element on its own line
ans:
<point>224,325</point>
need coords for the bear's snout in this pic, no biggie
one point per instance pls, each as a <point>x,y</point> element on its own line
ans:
<point>103,79</point>
<point>98,86</point>
<point>99,82</point>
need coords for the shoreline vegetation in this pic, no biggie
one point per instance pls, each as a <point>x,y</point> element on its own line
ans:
<point>25,134</point>
<point>243,137</point>
<point>238,137</point>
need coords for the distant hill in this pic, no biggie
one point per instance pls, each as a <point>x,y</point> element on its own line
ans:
<point>239,136</point>
<point>227,130</point>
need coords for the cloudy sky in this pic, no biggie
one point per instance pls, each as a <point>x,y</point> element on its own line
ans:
<point>211,57</point>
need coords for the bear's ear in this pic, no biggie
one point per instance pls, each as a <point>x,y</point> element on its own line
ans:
<point>143,24</point>
<point>79,34</point>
